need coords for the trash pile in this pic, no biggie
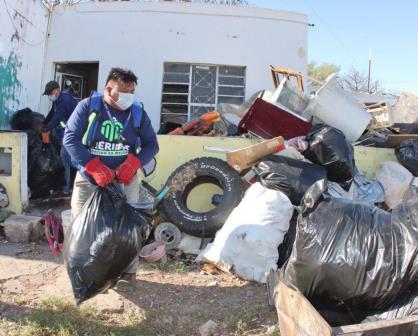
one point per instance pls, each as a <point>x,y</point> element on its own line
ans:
<point>296,201</point>
<point>45,171</point>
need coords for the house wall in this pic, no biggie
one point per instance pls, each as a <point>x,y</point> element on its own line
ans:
<point>22,44</point>
<point>143,35</point>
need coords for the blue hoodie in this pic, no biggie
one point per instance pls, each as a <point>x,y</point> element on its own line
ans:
<point>112,151</point>
<point>60,112</point>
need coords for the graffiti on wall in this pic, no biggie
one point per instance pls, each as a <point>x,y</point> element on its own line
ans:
<point>10,87</point>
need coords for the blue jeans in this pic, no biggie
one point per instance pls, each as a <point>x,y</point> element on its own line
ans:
<point>66,161</point>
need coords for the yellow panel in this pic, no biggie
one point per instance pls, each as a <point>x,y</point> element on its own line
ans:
<point>16,184</point>
<point>176,150</point>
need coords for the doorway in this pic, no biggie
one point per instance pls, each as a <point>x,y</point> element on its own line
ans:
<point>78,78</point>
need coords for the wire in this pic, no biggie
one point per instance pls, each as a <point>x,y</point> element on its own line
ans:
<point>331,32</point>
<point>17,31</point>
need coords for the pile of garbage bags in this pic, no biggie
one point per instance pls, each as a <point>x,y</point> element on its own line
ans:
<point>45,171</point>
<point>349,244</point>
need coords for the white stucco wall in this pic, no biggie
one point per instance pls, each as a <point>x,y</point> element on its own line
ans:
<point>142,36</point>
<point>23,25</point>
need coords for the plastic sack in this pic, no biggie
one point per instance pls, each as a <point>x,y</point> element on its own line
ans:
<point>26,120</point>
<point>361,190</point>
<point>248,242</point>
<point>103,242</point>
<point>45,170</point>
<point>353,255</point>
<point>329,148</point>
<point>292,177</point>
<point>407,155</point>
<point>395,180</point>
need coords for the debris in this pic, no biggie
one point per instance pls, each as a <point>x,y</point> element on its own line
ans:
<point>198,126</point>
<point>96,257</point>
<point>407,155</point>
<point>268,121</point>
<point>336,107</point>
<point>169,233</point>
<point>4,198</point>
<point>54,232</point>
<point>212,283</point>
<point>244,158</point>
<point>406,108</point>
<point>153,252</point>
<point>202,224</point>
<point>352,256</point>
<point>247,243</point>
<point>329,148</point>
<point>291,177</point>
<point>396,180</point>
<point>208,329</point>
<point>381,116</point>
<point>362,190</point>
<point>190,244</point>
<point>210,269</point>
<point>22,229</point>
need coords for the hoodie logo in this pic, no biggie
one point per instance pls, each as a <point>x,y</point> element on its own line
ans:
<point>111,131</point>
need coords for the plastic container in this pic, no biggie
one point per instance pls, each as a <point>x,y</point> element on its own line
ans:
<point>153,252</point>
<point>338,108</point>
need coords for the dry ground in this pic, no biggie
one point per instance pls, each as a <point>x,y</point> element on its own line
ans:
<point>166,299</point>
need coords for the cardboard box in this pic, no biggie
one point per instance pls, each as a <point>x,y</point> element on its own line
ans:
<point>244,158</point>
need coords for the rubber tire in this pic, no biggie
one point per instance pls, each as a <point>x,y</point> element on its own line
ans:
<point>206,170</point>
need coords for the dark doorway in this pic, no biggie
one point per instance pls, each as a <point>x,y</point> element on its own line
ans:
<point>79,78</point>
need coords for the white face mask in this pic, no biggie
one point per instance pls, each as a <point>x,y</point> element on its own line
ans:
<point>52,98</point>
<point>125,100</point>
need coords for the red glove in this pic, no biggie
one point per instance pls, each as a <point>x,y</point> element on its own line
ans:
<point>127,170</point>
<point>102,174</point>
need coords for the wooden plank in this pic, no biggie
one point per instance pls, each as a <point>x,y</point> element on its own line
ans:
<point>405,326</point>
<point>395,140</point>
<point>244,158</point>
<point>297,317</point>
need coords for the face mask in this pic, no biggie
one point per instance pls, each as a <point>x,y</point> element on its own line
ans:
<point>52,98</point>
<point>125,100</point>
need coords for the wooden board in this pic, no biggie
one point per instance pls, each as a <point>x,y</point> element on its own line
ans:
<point>297,317</point>
<point>244,158</point>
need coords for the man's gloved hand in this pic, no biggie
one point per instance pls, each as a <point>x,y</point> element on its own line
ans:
<point>102,174</point>
<point>127,170</point>
<point>45,137</point>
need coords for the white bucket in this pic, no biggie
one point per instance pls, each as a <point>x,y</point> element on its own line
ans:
<point>338,108</point>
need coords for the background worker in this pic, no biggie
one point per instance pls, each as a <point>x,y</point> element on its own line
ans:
<point>109,137</point>
<point>63,105</point>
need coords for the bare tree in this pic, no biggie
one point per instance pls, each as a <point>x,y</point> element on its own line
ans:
<point>356,81</point>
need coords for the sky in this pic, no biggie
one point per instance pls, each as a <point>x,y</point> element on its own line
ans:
<point>344,32</point>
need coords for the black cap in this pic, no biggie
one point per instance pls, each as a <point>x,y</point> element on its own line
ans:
<point>52,85</point>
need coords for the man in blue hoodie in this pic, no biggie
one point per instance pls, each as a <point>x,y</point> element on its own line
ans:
<point>63,104</point>
<point>109,138</point>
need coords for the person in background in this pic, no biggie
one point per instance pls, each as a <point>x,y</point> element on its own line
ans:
<point>109,138</point>
<point>63,104</point>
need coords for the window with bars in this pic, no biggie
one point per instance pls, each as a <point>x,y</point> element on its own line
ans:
<point>190,90</point>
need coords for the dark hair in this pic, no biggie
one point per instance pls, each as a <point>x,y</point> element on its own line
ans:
<point>123,75</point>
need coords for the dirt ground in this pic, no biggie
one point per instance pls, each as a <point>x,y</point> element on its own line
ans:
<point>174,298</point>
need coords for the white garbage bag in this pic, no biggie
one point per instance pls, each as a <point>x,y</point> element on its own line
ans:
<point>395,180</point>
<point>248,242</point>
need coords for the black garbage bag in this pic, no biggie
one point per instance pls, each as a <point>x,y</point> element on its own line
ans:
<point>329,148</point>
<point>407,154</point>
<point>26,120</point>
<point>45,171</point>
<point>103,242</point>
<point>290,176</point>
<point>353,255</point>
